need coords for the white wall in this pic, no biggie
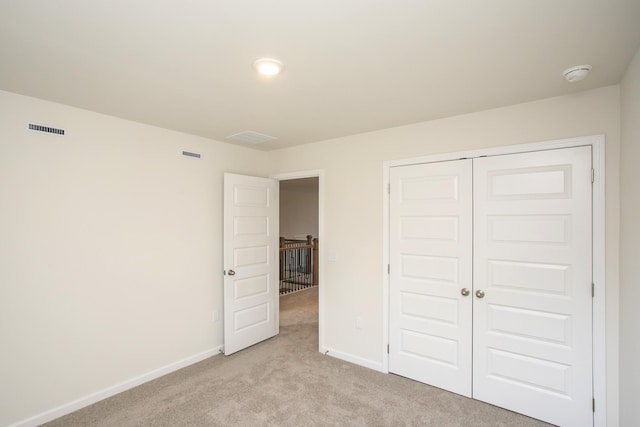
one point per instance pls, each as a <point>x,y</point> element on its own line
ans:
<point>111,240</point>
<point>630,247</point>
<point>353,204</point>
<point>299,212</point>
<point>110,251</point>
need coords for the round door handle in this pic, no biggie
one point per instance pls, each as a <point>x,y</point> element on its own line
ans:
<point>464,292</point>
<point>231,273</point>
<point>480,293</point>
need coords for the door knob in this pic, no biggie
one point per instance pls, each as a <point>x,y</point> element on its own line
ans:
<point>480,294</point>
<point>231,273</point>
<point>464,292</point>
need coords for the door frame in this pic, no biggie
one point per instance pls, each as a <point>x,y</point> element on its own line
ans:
<point>315,173</point>
<point>596,142</point>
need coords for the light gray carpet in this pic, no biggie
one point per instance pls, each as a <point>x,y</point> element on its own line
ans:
<point>284,381</point>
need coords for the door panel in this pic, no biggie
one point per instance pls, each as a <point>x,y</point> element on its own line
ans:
<point>430,247</point>
<point>530,349</point>
<point>250,251</point>
<point>532,260</point>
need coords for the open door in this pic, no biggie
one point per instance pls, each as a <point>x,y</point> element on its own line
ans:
<point>250,261</point>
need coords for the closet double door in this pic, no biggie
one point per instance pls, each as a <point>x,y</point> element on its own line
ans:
<point>490,280</point>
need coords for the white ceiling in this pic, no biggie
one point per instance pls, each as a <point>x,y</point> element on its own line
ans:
<point>351,66</point>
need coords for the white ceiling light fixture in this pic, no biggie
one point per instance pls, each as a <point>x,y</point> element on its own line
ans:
<point>577,73</point>
<point>268,66</point>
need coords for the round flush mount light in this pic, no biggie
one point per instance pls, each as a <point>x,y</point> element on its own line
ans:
<point>268,66</point>
<point>575,74</point>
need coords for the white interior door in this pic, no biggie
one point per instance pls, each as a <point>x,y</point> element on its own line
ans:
<point>430,274</point>
<point>250,260</point>
<point>532,279</point>
<point>515,230</point>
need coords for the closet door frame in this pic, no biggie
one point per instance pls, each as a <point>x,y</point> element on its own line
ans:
<point>596,142</point>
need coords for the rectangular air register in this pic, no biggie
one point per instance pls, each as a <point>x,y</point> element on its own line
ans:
<point>190,154</point>
<point>45,129</point>
<point>251,137</point>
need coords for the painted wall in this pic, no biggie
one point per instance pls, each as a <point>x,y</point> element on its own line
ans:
<point>353,169</point>
<point>111,239</point>
<point>630,247</point>
<point>110,251</point>
<point>299,212</point>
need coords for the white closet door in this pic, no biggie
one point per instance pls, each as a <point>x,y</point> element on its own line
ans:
<point>430,246</point>
<point>532,261</point>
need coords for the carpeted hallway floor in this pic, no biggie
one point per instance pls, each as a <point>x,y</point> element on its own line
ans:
<point>285,381</point>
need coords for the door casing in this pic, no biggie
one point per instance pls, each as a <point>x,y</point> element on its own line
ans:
<point>598,233</point>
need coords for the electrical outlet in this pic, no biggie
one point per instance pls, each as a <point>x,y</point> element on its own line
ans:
<point>215,316</point>
<point>358,322</point>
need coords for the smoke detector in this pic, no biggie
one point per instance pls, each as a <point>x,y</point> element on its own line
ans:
<point>577,73</point>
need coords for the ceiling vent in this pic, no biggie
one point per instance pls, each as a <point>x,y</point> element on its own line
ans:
<point>250,137</point>
<point>45,129</point>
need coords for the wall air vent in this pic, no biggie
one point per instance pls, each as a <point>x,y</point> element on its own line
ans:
<point>46,129</point>
<point>190,154</point>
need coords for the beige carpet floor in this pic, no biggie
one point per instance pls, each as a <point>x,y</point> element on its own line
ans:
<point>285,381</point>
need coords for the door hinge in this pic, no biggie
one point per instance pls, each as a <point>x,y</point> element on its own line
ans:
<point>388,188</point>
<point>387,348</point>
<point>593,404</point>
<point>593,290</point>
<point>388,268</point>
<point>593,175</point>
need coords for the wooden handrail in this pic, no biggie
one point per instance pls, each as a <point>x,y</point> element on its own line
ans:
<point>291,248</point>
<point>295,243</point>
<point>284,241</point>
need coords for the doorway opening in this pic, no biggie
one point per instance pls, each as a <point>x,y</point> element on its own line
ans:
<point>299,243</point>
<point>301,214</point>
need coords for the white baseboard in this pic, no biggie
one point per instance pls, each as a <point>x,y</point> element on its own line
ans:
<point>376,366</point>
<point>92,398</point>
